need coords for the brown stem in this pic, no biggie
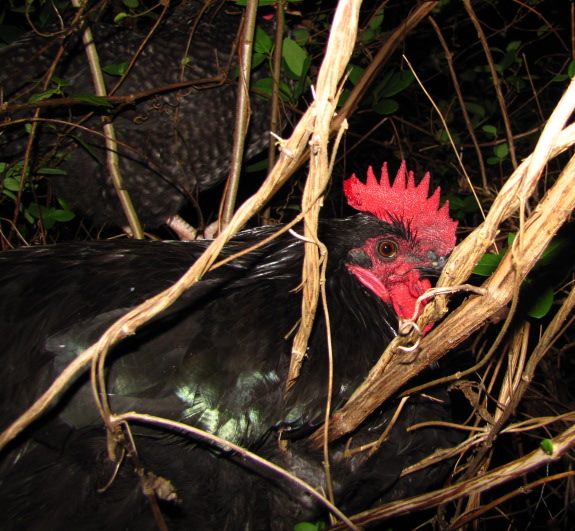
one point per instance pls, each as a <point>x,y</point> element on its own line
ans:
<point>496,80</point>
<point>112,158</point>
<point>465,114</point>
<point>242,111</point>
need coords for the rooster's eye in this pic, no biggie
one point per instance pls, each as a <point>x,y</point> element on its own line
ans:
<point>387,248</point>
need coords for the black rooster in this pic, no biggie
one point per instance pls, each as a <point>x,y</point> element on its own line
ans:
<point>217,360</point>
<point>179,140</point>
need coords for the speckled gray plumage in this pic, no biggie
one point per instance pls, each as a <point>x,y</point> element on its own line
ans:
<point>183,138</point>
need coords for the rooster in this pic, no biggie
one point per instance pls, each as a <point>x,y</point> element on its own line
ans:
<point>173,143</point>
<point>217,359</point>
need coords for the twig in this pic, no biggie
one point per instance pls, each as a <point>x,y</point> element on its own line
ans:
<point>111,144</point>
<point>451,141</point>
<point>464,113</point>
<point>496,80</point>
<point>476,513</point>
<point>242,118</point>
<point>204,83</point>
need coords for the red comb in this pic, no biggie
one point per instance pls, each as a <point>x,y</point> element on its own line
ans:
<point>403,202</point>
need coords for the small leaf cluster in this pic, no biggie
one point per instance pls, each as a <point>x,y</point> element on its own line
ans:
<point>537,289</point>
<point>11,186</point>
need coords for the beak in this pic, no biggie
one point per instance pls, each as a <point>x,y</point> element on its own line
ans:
<point>435,265</point>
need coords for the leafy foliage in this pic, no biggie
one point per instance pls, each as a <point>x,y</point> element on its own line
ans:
<point>539,291</point>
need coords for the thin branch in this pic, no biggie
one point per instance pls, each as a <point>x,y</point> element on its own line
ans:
<point>464,113</point>
<point>111,144</point>
<point>242,118</point>
<point>448,132</point>
<point>496,80</point>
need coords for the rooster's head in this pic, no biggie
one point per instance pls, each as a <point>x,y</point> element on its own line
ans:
<point>416,242</point>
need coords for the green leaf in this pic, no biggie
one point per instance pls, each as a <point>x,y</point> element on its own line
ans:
<point>34,210</point>
<point>475,108</point>
<point>386,107</point>
<point>90,98</point>
<point>518,82</point>
<point>265,86</point>
<point>397,83</point>
<point>120,16</point>
<point>501,150</point>
<point>302,82</point>
<point>489,130</point>
<point>343,97</point>
<point>262,42</point>
<point>542,30</point>
<point>455,202</point>
<point>49,215</point>
<point>10,33</point>
<point>560,78</point>
<point>468,75</point>
<point>488,264</point>
<point>84,145</point>
<point>355,73</point>
<point>62,215</point>
<point>542,304</point>
<point>40,96</point>
<point>301,35</point>
<point>116,70</point>
<point>553,251</point>
<point>132,4</point>
<point>52,171</point>
<point>11,184</point>
<point>377,20</point>
<point>443,137</point>
<point>257,60</point>
<point>9,194</point>
<point>261,3</point>
<point>58,82</point>
<point>256,166</point>
<point>547,446</point>
<point>470,204</point>
<point>28,216</point>
<point>368,35</point>
<point>295,57</point>
<point>63,204</point>
<point>307,526</point>
<point>571,69</point>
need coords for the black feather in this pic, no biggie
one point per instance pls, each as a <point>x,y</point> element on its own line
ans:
<point>217,359</point>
